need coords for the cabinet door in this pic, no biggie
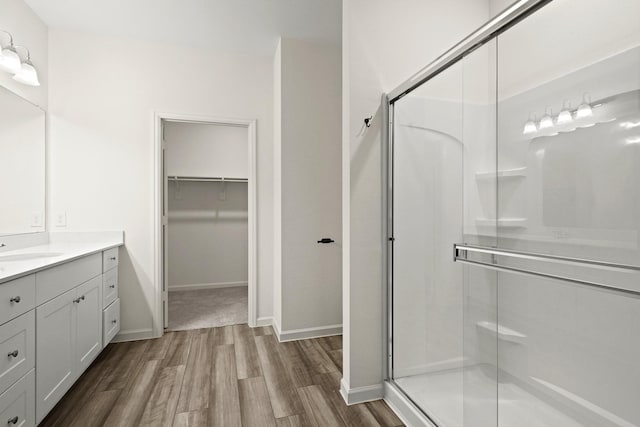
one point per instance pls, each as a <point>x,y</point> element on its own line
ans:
<point>89,323</point>
<point>55,358</point>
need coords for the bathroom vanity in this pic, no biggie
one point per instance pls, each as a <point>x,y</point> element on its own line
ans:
<point>59,307</point>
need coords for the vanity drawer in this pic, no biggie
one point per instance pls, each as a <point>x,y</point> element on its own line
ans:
<point>58,280</point>
<point>110,322</point>
<point>17,349</point>
<point>17,297</point>
<point>109,287</point>
<point>109,259</point>
<point>19,402</point>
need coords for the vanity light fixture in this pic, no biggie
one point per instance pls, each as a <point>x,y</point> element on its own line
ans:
<point>584,110</point>
<point>546,122</point>
<point>27,74</point>
<point>9,58</point>
<point>565,115</point>
<point>530,126</point>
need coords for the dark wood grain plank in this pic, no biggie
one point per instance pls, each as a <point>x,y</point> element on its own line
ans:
<point>247,361</point>
<point>195,386</point>
<point>161,407</point>
<point>158,347</point>
<point>296,364</point>
<point>317,408</point>
<point>122,365</point>
<point>178,350</point>
<point>95,410</point>
<point>284,399</point>
<point>262,330</point>
<point>131,403</point>
<point>191,419</point>
<point>385,416</point>
<point>224,408</point>
<point>221,336</point>
<point>293,421</point>
<point>255,407</point>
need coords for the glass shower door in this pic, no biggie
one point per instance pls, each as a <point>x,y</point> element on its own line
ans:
<point>444,192</point>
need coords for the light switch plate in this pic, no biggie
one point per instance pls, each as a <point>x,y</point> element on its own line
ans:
<point>60,219</point>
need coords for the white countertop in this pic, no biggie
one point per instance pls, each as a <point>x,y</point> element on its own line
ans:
<point>53,249</point>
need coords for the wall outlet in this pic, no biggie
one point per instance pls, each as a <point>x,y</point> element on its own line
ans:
<point>36,219</point>
<point>60,219</point>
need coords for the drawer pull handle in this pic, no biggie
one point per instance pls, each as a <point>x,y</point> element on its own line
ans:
<point>15,299</point>
<point>14,353</point>
<point>112,258</point>
<point>13,420</point>
<point>114,321</point>
<point>112,286</point>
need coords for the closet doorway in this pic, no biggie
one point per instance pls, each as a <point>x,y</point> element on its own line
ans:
<point>207,216</point>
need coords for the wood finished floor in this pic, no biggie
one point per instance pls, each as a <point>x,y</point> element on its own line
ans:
<point>228,376</point>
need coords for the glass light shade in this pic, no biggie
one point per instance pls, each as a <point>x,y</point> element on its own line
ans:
<point>584,111</point>
<point>27,75</point>
<point>530,127</point>
<point>564,117</point>
<point>9,60</point>
<point>546,122</point>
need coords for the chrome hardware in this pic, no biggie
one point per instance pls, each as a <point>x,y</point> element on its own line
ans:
<point>114,321</point>
<point>13,420</point>
<point>15,299</point>
<point>77,300</point>
<point>14,353</point>
<point>112,258</point>
<point>112,286</point>
<point>2,245</point>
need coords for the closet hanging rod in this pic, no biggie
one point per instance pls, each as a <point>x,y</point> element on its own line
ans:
<point>205,179</point>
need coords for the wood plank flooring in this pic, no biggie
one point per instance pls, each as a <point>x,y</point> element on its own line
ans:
<point>228,376</point>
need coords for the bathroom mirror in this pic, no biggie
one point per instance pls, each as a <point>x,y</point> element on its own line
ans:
<point>22,165</point>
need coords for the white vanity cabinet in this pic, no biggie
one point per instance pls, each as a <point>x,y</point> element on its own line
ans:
<point>53,324</point>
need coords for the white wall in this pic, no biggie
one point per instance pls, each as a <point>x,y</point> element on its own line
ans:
<point>208,236</point>
<point>207,150</point>
<point>383,44</point>
<point>28,30</point>
<point>308,185</point>
<point>104,92</point>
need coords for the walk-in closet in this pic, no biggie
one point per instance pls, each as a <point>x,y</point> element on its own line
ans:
<point>206,235</point>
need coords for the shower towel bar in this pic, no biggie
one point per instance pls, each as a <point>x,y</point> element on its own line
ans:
<point>459,248</point>
<point>206,179</point>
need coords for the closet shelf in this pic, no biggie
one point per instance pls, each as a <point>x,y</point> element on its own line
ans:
<point>502,174</point>
<point>205,179</point>
<point>502,222</point>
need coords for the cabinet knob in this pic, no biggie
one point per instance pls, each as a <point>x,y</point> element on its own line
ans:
<point>112,286</point>
<point>77,300</point>
<point>114,321</point>
<point>112,258</point>
<point>15,299</point>
<point>13,420</point>
<point>14,353</point>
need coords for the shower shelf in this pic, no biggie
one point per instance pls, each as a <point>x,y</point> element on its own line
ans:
<point>502,174</point>
<point>503,333</point>
<point>502,222</point>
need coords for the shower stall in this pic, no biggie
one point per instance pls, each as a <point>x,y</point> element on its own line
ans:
<point>513,232</point>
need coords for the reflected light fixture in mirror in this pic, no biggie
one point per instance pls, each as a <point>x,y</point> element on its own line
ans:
<point>9,58</point>
<point>546,121</point>
<point>27,74</point>
<point>565,115</point>
<point>584,110</point>
<point>530,126</point>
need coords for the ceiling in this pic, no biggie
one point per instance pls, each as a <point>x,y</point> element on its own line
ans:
<point>237,26</point>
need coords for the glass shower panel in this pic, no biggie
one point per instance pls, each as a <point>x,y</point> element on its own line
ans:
<point>427,218</point>
<point>568,185</point>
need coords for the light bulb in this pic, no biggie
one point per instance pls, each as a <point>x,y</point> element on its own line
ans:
<point>565,115</point>
<point>584,110</point>
<point>9,60</point>
<point>27,75</point>
<point>546,122</point>
<point>530,126</point>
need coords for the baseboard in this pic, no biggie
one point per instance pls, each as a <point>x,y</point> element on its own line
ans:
<point>303,334</point>
<point>404,409</point>
<point>197,286</point>
<point>357,395</point>
<point>264,321</point>
<point>134,335</point>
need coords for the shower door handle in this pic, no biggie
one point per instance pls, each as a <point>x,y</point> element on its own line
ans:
<point>326,240</point>
<point>461,254</point>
